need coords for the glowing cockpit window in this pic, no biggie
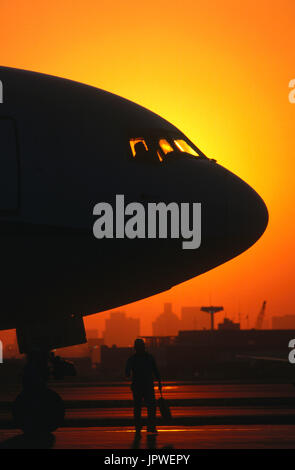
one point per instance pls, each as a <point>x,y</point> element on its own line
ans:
<point>135,141</point>
<point>165,146</point>
<point>183,146</point>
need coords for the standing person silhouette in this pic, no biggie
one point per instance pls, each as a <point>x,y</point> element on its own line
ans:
<point>143,368</point>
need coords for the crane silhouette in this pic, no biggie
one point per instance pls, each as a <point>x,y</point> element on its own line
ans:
<point>260,317</point>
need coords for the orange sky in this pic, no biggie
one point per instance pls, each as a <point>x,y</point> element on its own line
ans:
<point>219,70</point>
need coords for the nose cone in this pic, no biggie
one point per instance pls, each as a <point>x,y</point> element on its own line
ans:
<point>247,214</point>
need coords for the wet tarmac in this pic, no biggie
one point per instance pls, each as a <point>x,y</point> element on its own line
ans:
<point>204,417</point>
<point>121,391</point>
<point>179,437</point>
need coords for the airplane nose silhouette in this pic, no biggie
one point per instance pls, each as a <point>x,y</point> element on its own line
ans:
<point>247,214</point>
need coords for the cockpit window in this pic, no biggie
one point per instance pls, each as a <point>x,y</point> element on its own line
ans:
<point>165,146</point>
<point>134,146</point>
<point>157,148</point>
<point>183,146</point>
<point>144,152</point>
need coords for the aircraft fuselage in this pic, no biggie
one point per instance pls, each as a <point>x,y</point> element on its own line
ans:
<point>66,149</point>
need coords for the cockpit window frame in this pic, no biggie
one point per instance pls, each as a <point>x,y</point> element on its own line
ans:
<point>151,137</point>
<point>134,140</point>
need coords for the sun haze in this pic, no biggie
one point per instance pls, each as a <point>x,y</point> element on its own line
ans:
<point>220,71</point>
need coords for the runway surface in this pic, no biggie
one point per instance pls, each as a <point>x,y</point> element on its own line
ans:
<point>204,417</point>
<point>94,417</point>
<point>205,437</point>
<point>121,391</point>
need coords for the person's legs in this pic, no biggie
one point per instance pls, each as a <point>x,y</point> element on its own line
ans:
<point>149,397</point>
<point>137,403</point>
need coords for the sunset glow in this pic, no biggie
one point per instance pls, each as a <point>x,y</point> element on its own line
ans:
<point>219,71</point>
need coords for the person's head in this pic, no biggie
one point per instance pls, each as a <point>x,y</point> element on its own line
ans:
<point>139,345</point>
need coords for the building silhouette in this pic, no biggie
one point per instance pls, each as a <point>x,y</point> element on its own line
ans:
<point>113,362</point>
<point>94,345</point>
<point>192,318</point>
<point>285,322</point>
<point>223,354</point>
<point>120,330</point>
<point>228,325</point>
<point>167,323</point>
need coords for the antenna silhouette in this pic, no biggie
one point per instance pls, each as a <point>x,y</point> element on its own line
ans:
<point>212,310</point>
